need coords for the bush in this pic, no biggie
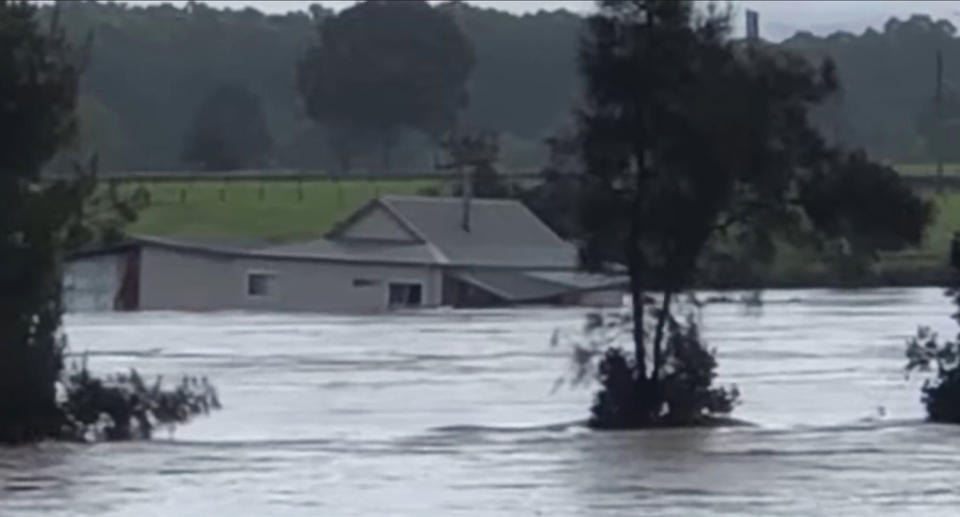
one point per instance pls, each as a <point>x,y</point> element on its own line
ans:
<point>941,391</point>
<point>927,354</point>
<point>684,395</point>
<point>124,407</point>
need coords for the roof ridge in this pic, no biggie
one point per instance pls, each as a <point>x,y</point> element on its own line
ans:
<point>368,207</point>
<point>404,221</point>
<point>449,199</point>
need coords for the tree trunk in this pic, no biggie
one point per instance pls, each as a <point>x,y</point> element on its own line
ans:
<point>386,150</point>
<point>658,335</point>
<point>636,292</point>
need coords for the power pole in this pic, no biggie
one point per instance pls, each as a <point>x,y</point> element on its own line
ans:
<point>469,151</point>
<point>938,100</point>
<point>753,26</point>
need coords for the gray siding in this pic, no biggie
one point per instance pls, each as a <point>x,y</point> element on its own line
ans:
<point>175,280</point>
<point>90,284</point>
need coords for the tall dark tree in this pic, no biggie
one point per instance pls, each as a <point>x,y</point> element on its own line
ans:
<point>229,131</point>
<point>938,125</point>
<point>38,91</point>
<point>889,75</point>
<point>689,138</point>
<point>381,66</point>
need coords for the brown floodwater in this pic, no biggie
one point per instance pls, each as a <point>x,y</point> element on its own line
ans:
<point>452,413</point>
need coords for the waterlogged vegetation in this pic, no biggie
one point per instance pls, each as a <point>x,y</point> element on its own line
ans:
<point>39,223</point>
<point>124,406</point>
<point>939,359</point>
<point>688,397</point>
<point>674,168</point>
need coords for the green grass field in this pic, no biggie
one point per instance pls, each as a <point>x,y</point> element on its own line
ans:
<point>927,169</point>
<point>280,214</point>
<point>275,211</point>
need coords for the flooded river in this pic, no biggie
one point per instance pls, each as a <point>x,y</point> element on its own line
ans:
<point>451,414</point>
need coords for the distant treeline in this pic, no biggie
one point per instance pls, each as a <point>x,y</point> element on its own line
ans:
<point>153,70</point>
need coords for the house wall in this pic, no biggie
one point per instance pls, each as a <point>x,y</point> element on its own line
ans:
<point>607,298</point>
<point>178,280</point>
<point>90,284</point>
<point>378,225</point>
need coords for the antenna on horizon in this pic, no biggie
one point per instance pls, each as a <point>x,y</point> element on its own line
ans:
<point>753,25</point>
<point>938,99</point>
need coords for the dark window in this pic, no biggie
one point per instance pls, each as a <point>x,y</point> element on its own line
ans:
<point>260,284</point>
<point>405,295</point>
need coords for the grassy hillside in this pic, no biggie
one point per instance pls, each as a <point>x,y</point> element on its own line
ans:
<point>275,211</point>
<point>250,210</point>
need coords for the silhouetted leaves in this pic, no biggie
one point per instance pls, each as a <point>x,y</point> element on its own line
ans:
<point>382,66</point>
<point>229,132</point>
<point>124,407</point>
<point>38,85</point>
<point>941,361</point>
<point>692,142</point>
<point>40,221</point>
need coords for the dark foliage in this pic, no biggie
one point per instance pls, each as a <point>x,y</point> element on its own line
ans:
<point>556,200</point>
<point>524,83</point>
<point>383,66</point>
<point>888,75</point>
<point>686,394</point>
<point>926,353</point>
<point>487,182</point>
<point>229,132</point>
<point>525,76</point>
<point>124,407</point>
<point>39,222</point>
<point>866,204</point>
<point>941,392</point>
<point>154,64</point>
<point>38,86</point>
<point>690,139</point>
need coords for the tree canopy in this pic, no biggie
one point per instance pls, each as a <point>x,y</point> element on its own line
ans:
<point>229,131</point>
<point>39,74</point>
<point>524,82</point>
<point>690,138</point>
<point>383,66</point>
<point>888,76</point>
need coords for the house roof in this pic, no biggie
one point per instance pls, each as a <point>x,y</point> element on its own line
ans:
<point>503,232</point>
<point>524,286</point>
<point>414,253</point>
<point>317,251</point>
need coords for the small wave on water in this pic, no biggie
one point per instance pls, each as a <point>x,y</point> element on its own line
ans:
<point>480,429</point>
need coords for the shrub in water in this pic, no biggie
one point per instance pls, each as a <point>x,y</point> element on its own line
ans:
<point>124,407</point>
<point>941,391</point>
<point>683,394</point>
<point>926,353</point>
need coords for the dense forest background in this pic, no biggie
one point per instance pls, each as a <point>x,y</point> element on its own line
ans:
<point>152,67</point>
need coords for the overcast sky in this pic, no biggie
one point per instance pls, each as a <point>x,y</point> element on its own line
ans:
<point>778,19</point>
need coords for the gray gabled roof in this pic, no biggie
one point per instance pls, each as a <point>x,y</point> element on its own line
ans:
<point>525,286</point>
<point>503,232</point>
<point>400,253</point>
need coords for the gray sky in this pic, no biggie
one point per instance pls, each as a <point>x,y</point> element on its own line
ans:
<point>778,18</point>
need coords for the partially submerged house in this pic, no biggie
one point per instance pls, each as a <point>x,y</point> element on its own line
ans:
<point>395,252</point>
